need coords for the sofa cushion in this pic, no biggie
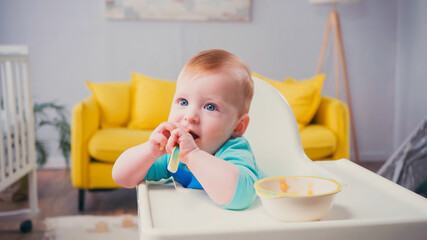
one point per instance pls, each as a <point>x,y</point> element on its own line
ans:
<point>114,100</point>
<point>152,101</point>
<point>106,145</point>
<point>303,96</point>
<point>318,141</point>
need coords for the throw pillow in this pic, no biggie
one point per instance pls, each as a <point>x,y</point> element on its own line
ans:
<point>152,100</point>
<point>303,96</point>
<point>114,99</point>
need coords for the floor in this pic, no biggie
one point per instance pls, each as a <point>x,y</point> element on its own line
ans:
<point>57,197</point>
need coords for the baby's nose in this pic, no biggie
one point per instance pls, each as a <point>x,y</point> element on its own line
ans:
<point>191,116</point>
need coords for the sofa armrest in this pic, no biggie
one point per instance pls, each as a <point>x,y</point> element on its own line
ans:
<point>333,113</point>
<point>85,122</point>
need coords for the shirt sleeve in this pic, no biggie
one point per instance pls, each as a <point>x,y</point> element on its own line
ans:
<point>239,153</point>
<point>158,170</point>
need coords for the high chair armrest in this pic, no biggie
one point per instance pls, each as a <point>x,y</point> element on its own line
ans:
<point>334,114</point>
<point>85,122</point>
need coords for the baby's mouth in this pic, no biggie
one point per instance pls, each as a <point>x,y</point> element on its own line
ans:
<point>195,136</point>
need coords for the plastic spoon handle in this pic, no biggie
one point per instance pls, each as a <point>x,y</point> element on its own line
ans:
<point>174,161</point>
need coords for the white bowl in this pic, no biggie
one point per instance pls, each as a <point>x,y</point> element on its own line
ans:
<point>306,198</point>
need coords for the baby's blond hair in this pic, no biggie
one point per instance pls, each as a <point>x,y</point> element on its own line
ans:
<point>214,60</point>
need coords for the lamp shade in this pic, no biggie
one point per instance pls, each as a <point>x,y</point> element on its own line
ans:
<point>331,1</point>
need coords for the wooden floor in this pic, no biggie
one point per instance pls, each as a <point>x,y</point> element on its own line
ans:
<point>57,197</point>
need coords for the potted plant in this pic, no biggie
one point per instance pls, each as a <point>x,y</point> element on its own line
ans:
<point>56,119</point>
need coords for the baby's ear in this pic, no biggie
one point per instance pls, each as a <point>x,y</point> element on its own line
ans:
<point>242,125</point>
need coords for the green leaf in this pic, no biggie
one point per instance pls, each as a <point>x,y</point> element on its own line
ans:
<point>42,152</point>
<point>57,119</point>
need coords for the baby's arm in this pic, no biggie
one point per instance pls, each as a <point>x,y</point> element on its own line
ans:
<point>217,176</point>
<point>133,164</point>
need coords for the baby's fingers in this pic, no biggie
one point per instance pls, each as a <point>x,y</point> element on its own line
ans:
<point>159,141</point>
<point>165,128</point>
<point>171,143</point>
<point>173,140</point>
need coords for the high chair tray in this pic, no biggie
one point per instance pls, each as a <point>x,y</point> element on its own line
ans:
<point>368,207</point>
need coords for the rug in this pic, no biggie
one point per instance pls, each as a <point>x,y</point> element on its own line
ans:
<point>92,227</point>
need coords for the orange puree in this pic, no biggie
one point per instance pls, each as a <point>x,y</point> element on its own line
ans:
<point>283,185</point>
<point>310,189</point>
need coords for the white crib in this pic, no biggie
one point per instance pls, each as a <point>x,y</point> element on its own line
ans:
<point>17,151</point>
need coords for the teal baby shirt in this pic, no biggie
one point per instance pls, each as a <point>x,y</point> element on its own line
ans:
<point>236,151</point>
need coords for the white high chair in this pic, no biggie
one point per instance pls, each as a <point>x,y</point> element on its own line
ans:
<point>368,207</point>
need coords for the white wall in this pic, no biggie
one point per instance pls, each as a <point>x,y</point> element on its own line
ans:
<point>71,42</point>
<point>411,68</point>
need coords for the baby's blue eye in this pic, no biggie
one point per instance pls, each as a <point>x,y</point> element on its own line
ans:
<point>183,102</point>
<point>210,107</point>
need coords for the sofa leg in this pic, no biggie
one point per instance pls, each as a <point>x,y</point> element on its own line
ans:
<point>81,200</point>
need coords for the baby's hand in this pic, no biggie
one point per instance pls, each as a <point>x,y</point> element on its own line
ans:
<point>179,136</point>
<point>159,138</point>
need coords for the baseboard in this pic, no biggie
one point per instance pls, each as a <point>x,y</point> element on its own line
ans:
<point>54,162</point>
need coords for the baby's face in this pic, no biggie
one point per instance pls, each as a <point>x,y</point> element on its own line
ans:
<point>207,106</point>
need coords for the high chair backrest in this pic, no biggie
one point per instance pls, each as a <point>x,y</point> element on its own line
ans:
<point>273,133</point>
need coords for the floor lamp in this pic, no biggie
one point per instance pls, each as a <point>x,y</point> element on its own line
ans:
<point>339,57</point>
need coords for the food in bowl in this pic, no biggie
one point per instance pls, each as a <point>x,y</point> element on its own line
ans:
<point>297,198</point>
<point>283,185</point>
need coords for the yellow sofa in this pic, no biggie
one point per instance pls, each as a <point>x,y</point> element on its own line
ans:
<point>98,137</point>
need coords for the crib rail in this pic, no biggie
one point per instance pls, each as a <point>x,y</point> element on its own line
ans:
<point>17,144</point>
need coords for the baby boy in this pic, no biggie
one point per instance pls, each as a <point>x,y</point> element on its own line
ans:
<point>207,120</point>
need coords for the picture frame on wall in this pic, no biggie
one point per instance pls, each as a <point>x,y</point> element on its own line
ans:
<point>179,10</point>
